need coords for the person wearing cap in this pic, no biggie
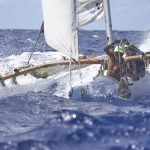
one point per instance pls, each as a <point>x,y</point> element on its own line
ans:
<point>129,49</point>
<point>115,63</point>
<point>135,69</point>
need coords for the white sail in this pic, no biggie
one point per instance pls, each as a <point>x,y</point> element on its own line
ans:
<point>59,33</point>
<point>63,17</point>
<point>89,11</point>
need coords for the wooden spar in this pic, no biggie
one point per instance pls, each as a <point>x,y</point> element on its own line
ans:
<point>138,57</point>
<point>93,60</point>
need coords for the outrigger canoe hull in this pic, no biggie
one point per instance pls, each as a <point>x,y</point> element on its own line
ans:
<point>88,61</point>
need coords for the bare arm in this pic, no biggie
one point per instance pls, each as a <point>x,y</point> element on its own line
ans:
<point>108,51</point>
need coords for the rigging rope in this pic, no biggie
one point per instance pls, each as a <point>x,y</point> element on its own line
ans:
<point>70,79</point>
<point>84,88</point>
<point>41,30</point>
<point>80,73</point>
<point>70,72</point>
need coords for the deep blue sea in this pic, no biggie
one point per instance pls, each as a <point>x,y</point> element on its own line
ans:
<point>35,119</point>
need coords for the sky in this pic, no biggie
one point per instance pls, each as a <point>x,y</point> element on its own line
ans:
<point>27,14</point>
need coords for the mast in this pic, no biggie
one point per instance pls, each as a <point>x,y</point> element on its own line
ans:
<point>108,22</point>
<point>75,29</point>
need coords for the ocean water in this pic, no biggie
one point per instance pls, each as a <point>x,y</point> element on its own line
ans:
<point>38,114</point>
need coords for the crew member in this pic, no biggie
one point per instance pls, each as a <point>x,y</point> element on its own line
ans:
<point>135,69</point>
<point>129,49</point>
<point>115,64</point>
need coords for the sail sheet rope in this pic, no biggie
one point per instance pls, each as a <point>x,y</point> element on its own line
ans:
<point>37,39</point>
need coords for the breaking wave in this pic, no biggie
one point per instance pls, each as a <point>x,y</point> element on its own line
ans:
<point>145,45</point>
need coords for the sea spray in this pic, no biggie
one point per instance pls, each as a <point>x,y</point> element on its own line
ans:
<point>145,46</point>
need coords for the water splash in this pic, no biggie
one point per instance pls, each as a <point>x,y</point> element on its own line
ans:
<point>83,80</point>
<point>145,46</point>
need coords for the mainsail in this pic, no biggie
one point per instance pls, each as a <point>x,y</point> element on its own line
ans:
<point>62,18</point>
<point>89,11</point>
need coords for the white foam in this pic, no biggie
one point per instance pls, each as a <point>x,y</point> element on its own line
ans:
<point>95,36</point>
<point>145,46</point>
<point>58,84</point>
<point>14,61</point>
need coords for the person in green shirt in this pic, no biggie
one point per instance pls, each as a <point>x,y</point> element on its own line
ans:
<point>115,63</point>
<point>135,69</point>
<point>129,49</point>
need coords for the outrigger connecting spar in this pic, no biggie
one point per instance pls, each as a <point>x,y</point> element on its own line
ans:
<point>94,60</point>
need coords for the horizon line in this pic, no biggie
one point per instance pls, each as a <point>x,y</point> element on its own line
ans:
<point>80,29</point>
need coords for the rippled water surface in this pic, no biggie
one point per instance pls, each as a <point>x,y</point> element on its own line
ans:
<point>37,114</point>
